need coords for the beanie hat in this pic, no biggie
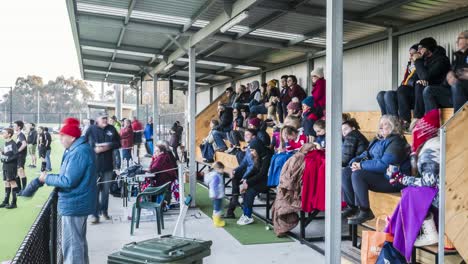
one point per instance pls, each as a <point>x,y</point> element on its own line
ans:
<point>71,127</point>
<point>414,47</point>
<point>425,129</point>
<point>272,83</point>
<point>428,43</point>
<point>309,101</point>
<point>255,122</point>
<point>317,72</point>
<point>296,106</point>
<point>258,146</point>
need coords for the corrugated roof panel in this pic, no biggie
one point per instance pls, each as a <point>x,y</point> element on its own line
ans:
<point>131,57</point>
<point>353,31</point>
<point>185,8</point>
<point>95,63</point>
<point>281,55</point>
<point>238,51</point>
<point>95,53</point>
<point>95,32</point>
<point>126,67</point>
<point>134,38</point>
<point>353,5</point>
<point>295,23</point>
<point>109,3</point>
<point>422,9</point>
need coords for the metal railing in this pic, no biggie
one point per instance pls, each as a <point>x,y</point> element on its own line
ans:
<point>42,244</point>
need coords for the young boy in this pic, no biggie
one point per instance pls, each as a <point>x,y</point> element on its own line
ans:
<point>319,128</point>
<point>9,159</point>
<point>214,180</point>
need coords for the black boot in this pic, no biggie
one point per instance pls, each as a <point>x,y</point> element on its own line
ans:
<point>364,215</point>
<point>349,211</point>
<point>7,197</point>
<point>231,207</point>
<point>13,202</point>
<point>24,182</point>
<point>18,183</point>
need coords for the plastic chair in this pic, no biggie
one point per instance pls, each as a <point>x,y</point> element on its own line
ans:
<point>143,200</point>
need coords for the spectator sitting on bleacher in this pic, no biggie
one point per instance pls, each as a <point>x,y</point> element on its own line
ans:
<point>284,99</point>
<point>259,103</point>
<point>236,135</point>
<point>288,121</point>
<point>454,92</point>
<point>225,125</point>
<point>255,182</point>
<point>319,128</point>
<point>242,171</point>
<point>318,88</point>
<point>368,170</point>
<point>273,99</point>
<point>292,139</point>
<point>256,96</point>
<point>388,100</point>
<point>260,126</point>
<point>208,145</point>
<point>354,142</point>
<point>309,115</point>
<point>432,65</point>
<point>295,90</point>
<point>231,95</point>
<point>241,100</point>
<point>294,108</point>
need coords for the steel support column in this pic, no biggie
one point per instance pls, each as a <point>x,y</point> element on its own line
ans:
<point>334,104</point>
<point>393,58</point>
<point>310,68</point>
<point>191,110</point>
<point>442,177</point>
<point>118,100</point>
<point>155,110</point>
<point>138,101</point>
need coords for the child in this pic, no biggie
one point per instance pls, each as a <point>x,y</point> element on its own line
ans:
<point>319,128</point>
<point>214,180</point>
<point>354,142</point>
<point>9,159</point>
<point>293,140</point>
<point>208,145</point>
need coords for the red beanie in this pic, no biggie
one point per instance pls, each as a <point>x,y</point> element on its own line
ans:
<point>71,127</point>
<point>255,122</point>
<point>425,129</point>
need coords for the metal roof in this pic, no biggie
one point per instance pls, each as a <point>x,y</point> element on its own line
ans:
<point>121,40</point>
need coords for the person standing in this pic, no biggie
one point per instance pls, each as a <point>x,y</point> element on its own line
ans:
<point>117,159</point>
<point>149,137</point>
<point>10,167</point>
<point>176,137</point>
<point>22,145</point>
<point>76,185</point>
<point>137,136</point>
<point>284,99</point>
<point>32,142</point>
<point>126,141</point>
<point>103,138</point>
<point>48,148</point>
<point>41,144</point>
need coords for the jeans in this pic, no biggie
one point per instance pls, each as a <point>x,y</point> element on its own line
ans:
<point>258,109</point>
<point>217,206</point>
<point>437,96</point>
<point>127,155</point>
<point>388,102</point>
<point>235,137</point>
<point>207,151</point>
<point>356,186</point>
<point>149,146</point>
<point>48,163</point>
<point>219,138</point>
<point>459,94</point>
<point>103,193</point>
<point>406,102</point>
<point>74,244</point>
<point>249,198</point>
<point>117,160</point>
<point>174,150</point>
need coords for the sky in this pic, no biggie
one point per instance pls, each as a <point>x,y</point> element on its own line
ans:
<point>36,38</point>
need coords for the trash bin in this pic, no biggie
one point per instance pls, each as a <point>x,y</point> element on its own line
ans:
<point>165,249</point>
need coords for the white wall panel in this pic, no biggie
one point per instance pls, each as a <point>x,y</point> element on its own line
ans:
<point>218,90</point>
<point>300,70</point>
<point>249,80</point>
<point>203,100</point>
<point>445,35</point>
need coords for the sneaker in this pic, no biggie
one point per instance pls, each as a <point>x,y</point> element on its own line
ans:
<point>349,212</point>
<point>361,217</point>
<point>2,205</point>
<point>11,206</point>
<point>245,221</point>
<point>428,234</point>
<point>208,161</point>
<point>106,217</point>
<point>229,150</point>
<point>241,219</point>
<point>95,220</point>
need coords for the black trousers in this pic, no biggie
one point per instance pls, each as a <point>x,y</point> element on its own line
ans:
<point>437,96</point>
<point>388,102</point>
<point>234,201</point>
<point>410,98</point>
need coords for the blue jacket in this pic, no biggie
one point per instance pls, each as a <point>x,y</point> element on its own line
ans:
<point>76,181</point>
<point>393,150</point>
<point>148,132</point>
<point>246,165</point>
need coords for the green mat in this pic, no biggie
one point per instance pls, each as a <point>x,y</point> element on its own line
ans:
<point>15,224</point>
<point>252,234</point>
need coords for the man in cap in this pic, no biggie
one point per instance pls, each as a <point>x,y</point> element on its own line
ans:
<point>103,138</point>
<point>76,185</point>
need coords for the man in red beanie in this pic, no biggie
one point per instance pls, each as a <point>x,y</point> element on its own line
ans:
<point>76,185</point>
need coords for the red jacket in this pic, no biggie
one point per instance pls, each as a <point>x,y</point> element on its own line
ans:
<point>319,93</point>
<point>313,182</point>
<point>164,161</point>
<point>126,137</point>
<point>137,126</point>
<point>297,91</point>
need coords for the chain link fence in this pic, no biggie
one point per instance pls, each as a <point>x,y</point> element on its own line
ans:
<point>165,123</point>
<point>42,244</point>
<point>50,120</point>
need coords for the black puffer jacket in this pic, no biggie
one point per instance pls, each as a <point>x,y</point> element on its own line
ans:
<point>354,144</point>
<point>225,120</point>
<point>460,62</point>
<point>435,68</point>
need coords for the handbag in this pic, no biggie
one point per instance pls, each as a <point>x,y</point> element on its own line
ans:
<point>373,242</point>
<point>389,255</point>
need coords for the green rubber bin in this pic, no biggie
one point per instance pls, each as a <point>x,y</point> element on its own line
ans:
<point>165,249</point>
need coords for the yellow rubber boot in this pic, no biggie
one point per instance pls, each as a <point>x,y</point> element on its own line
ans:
<point>217,221</point>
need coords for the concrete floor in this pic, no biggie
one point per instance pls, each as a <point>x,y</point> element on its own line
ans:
<point>109,236</point>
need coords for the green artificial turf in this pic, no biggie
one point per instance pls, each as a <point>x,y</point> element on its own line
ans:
<point>15,223</point>
<point>252,234</point>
